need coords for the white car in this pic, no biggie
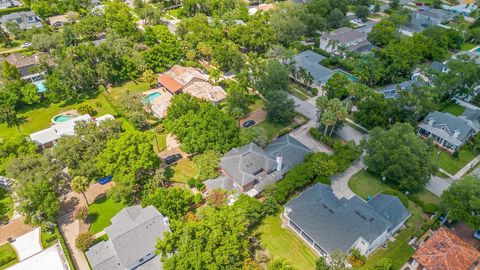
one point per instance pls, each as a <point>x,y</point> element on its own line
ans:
<point>5,182</point>
<point>26,45</point>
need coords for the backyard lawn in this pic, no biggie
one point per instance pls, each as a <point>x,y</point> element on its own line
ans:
<point>451,165</point>
<point>365,184</point>
<point>8,256</point>
<point>101,211</point>
<point>454,109</point>
<point>284,244</point>
<point>468,46</point>
<point>275,130</point>
<point>40,117</point>
<point>182,171</point>
<point>48,237</point>
<point>6,205</point>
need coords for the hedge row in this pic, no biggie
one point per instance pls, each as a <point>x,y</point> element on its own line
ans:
<point>13,10</point>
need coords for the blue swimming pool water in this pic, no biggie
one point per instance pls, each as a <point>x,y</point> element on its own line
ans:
<point>349,76</point>
<point>152,96</point>
<point>62,118</point>
<point>40,86</point>
<point>477,49</point>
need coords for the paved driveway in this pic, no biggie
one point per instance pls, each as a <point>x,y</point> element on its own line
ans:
<point>28,244</point>
<point>340,181</point>
<point>14,228</point>
<point>437,185</point>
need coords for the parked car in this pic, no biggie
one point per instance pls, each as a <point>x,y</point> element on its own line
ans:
<point>26,45</point>
<point>477,234</point>
<point>5,182</point>
<point>173,158</point>
<point>248,123</point>
<point>105,180</point>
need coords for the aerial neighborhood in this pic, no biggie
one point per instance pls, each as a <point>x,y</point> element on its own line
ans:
<point>238,134</point>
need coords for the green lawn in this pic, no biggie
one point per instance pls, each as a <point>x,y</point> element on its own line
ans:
<point>8,256</point>
<point>159,142</point>
<point>175,12</point>
<point>298,91</point>
<point>48,237</point>
<point>257,104</point>
<point>182,171</point>
<point>6,205</point>
<point>451,165</point>
<point>101,238</point>
<point>284,244</point>
<point>454,109</point>
<point>468,46</point>
<point>101,211</point>
<point>275,130</point>
<point>365,184</point>
<point>40,116</point>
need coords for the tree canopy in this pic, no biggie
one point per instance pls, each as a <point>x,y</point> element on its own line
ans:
<point>462,199</point>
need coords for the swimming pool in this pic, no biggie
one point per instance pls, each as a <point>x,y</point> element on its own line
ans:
<point>40,86</point>
<point>152,96</point>
<point>477,50</point>
<point>62,118</point>
<point>349,76</point>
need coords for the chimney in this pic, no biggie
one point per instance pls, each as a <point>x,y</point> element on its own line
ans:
<point>166,221</point>
<point>279,163</point>
<point>456,133</point>
<point>431,121</point>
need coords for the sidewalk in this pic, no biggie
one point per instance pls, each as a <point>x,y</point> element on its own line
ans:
<point>466,168</point>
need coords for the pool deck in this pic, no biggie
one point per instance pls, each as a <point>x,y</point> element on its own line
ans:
<point>159,105</point>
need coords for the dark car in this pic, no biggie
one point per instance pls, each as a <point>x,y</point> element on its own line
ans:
<point>173,158</point>
<point>477,234</point>
<point>105,180</point>
<point>248,123</point>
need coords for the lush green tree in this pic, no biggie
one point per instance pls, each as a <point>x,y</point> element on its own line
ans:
<point>227,55</point>
<point>218,238</point>
<point>383,33</point>
<point>89,27</point>
<point>80,184</point>
<point>29,94</point>
<point>362,12</point>
<point>287,22</point>
<point>119,19</point>
<point>462,199</point>
<point>255,134</point>
<point>400,157</point>
<point>163,55</point>
<point>9,71</point>
<point>84,241</point>
<point>201,126</point>
<point>461,78</point>
<point>324,165</point>
<point>128,159</point>
<point>336,86</point>
<point>37,182</point>
<point>207,164</point>
<point>336,18</point>
<point>13,147</point>
<point>171,202</point>
<point>395,4</point>
<point>278,264</point>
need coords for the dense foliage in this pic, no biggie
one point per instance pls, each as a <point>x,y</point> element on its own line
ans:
<point>462,199</point>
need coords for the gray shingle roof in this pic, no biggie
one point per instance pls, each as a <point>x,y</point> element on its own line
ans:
<point>337,223</point>
<point>446,124</point>
<point>292,151</point>
<point>390,207</point>
<point>132,236</point>
<point>344,35</point>
<point>24,19</point>
<point>245,162</point>
<point>310,61</point>
<point>437,66</point>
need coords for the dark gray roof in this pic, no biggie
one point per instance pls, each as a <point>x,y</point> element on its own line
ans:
<point>292,151</point>
<point>24,19</point>
<point>367,27</point>
<point>310,61</point>
<point>335,223</point>
<point>448,123</point>
<point>243,163</point>
<point>437,66</point>
<point>390,207</point>
<point>392,91</point>
<point>471,114</point>
<point>132,236</point>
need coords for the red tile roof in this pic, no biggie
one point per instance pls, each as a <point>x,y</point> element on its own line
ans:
<point>168,82</point>
<point>446,251</point>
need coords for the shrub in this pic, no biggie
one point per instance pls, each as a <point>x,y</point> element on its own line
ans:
<point>324,180</point>
<point>314,91</point>
<point>356,258</point>
<point>191,182</point>
<point>429,208</point>
<point>198,198</point>
<point>403,198</point>
<point>200,186</point>
<point>416,199</point>
<point>81,213</point>
<point>316,133</point>
<point>85,108</point>
<point>456,155</point>
<point>84,241</point>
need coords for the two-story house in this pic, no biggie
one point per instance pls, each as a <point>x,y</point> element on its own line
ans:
<point>23,19</point>
<point>346,37</point>
<point>328,224</point>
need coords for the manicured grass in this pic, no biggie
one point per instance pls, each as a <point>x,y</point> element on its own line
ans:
<point>256,105</point>
<point>159,142</point>
<point>275,130</point>
<point>468,46</point>
<point>182,171</point>
<point>282,243</point>
<point>48,237</point>
<point>101,238</point>
<point>454,109</point>
<point>40,116</point>
<point>8,256</point>
<point>298,91</point>
<point>101,211</point>
<point>175,12</point>
<point>6,205</point>
<point>364,184</point>
<point>451,165</point>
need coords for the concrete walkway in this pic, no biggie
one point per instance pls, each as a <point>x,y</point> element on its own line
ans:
<point>466,168</point>
<point>302,135</point>
<point>340,181</point>
<point>28,244</point>
<point>438,185</point>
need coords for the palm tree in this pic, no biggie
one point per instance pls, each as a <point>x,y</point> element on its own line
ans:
<point>80,184</point>
<point>340,114</point>
<point>215,75</point>
<point>322,104</point>
<point>328,119</point>
<point>332,43</point>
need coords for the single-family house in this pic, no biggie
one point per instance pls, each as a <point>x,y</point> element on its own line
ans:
<point>425,17</point>
<point>9,4</point>
<point>439,67</point>
<point>393,90</point>
<point>350,39</point>
<point>328,224</point>
<point>192,81</point>
<point>463,9</point>
<point>60,20</point>
<point>445,251</point>
<point>310,62</point>
<point>447,130</point>
<point>26,64</point>
<point>131,240</point>
<point>23,19</point>
<point>263,7</point>
<point>48,137</point>
<point>249,169</point>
